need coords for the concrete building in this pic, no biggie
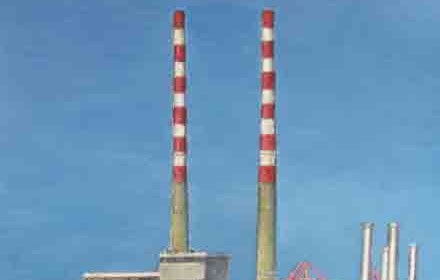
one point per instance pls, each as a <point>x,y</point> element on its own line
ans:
<point>193,266</point>
<point>176,266</point>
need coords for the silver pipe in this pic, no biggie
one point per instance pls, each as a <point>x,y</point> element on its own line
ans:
<point>384,268</point>
<point>412,262</point>
<point>393,254</point>
<point>367,241</point>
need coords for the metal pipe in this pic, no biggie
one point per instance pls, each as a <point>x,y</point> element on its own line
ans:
<point>412,262</point>
<point>367,241</point>
<point>384,268</point>
<point>266,212</point>
<point>393,254</point>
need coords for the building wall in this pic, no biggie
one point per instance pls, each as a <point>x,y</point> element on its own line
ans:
<point>182,271</point>
<point>217,268</point>
<point>193,266</point>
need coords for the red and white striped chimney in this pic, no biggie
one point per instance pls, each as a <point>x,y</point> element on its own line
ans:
<point>266,216</point>
<point>267,171</point>
<point>179,204</point>
<point>179,108</point>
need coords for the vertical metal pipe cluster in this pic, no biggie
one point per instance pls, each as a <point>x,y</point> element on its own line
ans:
<point>179,196</point>
<point>393,253</point>
<point>367,242</point>
<point>266,215</point>
<point>390,255</point>
<point>412,262</point>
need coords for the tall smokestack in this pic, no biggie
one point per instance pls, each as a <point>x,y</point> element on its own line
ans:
<point>367,241</point>
<point>384,268</point>
<point>179,196</point>
<point>266,220</point>
<point>393,254</point>
<point>412,262</point>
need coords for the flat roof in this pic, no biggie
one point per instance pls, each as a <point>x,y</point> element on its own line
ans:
<point>199,254</point>
<point>116,275</point>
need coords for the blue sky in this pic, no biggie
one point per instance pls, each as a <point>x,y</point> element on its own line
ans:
<point>85,110</point>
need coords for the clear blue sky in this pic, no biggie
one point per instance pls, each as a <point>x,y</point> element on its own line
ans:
<point>85,110</point>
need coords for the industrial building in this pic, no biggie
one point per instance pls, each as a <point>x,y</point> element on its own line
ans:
<point>179,261</point>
